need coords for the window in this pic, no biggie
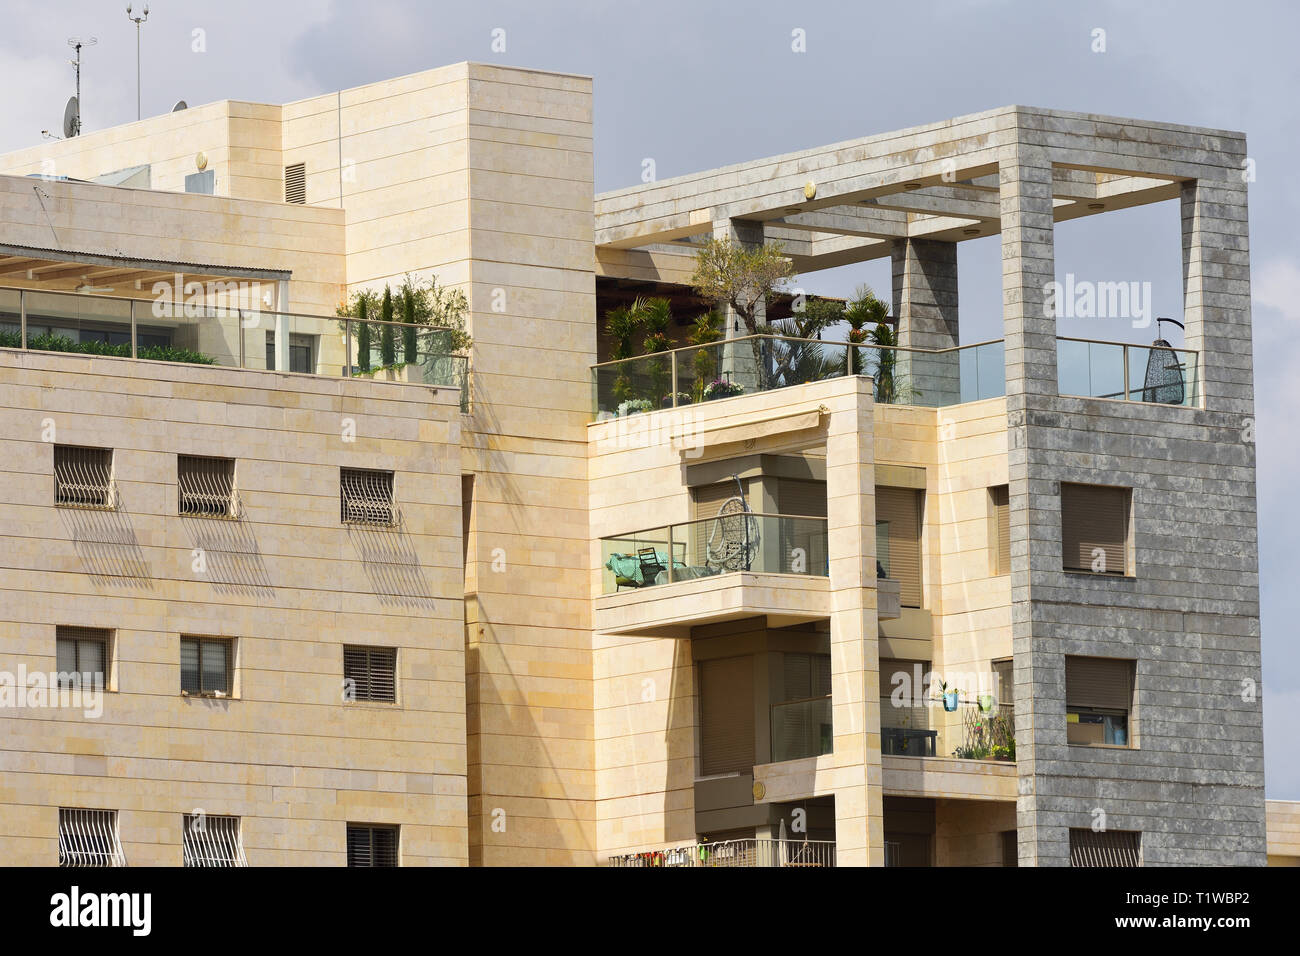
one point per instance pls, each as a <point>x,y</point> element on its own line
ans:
<point>366,497</point>
<point>212,841</point>
<point>801,720</point>
<point>82,655</point>
<point>206,486</point>
<point>83,477</point>
<point>1108,848</point>
<point>905,709</point>
<point>206,666</point>
<point>1098,699</point>
<point>302,349</point>
<point>204,182</point>
<point>89,838</point>
<point>370,845</point>
<point>295,183</point>
<point>899,510</point>
<point>727,741</point>
<point>1010,850</point>
<point>370,673</point>
<point>1000,529</point>
<point>1094,528</point>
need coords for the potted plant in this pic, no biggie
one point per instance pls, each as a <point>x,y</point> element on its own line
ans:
<point>986,702</point>
<point>950,697</point>
<point>721,388</point>
<point>1002,752</point>
<point>634,405</point>
<point>683,398</point>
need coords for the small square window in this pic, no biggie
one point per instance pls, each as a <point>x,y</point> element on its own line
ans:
<point>1098,701</point>
<point>207,666</point>
<point>370,673</point>
<point>366,497</point>
<point>83,477</point>
<point>89,838</point>
<point>82,655</point>
<point>206,486</point>
<point>212,841</point>
<point>370,845</point>
<point>1094,528</point>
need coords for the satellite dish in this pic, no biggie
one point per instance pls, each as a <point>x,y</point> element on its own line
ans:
<point>71,118</point>
<point>180,105</point>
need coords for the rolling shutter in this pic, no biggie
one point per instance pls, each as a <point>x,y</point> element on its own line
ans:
<point>1110,848</point>
<point>900,508</point>
<point>705,502</point>
<point>1099,682</point>
<point>1001,501</point>
<point>727,715</point>
<point>1094,517</point>
<point>795,496</point>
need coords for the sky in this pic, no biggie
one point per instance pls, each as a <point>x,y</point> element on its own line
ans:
<point>699,84</point>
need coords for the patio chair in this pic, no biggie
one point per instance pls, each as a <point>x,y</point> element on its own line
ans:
<point>651,564</point>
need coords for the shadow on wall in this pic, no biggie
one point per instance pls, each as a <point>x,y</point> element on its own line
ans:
<point>106,544</point>
<point>392,566</point>
<point>226,555</point>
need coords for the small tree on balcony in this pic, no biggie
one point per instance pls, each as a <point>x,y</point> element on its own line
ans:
<point>865,309</point>
<point>387,341</point>
<point>745,278</point>
<point>654,317</point>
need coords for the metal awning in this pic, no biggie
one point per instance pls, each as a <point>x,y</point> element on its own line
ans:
<point>64,269</point>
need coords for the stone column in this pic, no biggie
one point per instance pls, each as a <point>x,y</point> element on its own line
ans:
<point>1028,266</point>
<point>855,656</point>
<point>1216,292</point>
<point>925,304</point>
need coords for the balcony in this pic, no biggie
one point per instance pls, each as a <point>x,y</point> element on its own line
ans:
<point>737,853</point>
<point>1128,373</point>
<point>234,338</point>
<point>755,543</point>
<point>721,568</point>
<point>759,363</point>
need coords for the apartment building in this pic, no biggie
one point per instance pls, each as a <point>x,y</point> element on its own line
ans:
<point>761,601</point>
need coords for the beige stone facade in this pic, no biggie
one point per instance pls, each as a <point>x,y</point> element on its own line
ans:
<point>550,710</point>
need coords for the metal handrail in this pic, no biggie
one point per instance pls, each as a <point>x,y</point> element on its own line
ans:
<point>792,338</point>
<point>674,524</point>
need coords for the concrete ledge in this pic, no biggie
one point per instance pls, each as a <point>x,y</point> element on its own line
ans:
<point>949,777</point>
<point>671,610</point>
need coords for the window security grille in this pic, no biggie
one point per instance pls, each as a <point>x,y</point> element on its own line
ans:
<point>83,477</point>
<point>212,841</point>
<point>206,486</point>
<point>206,666</point>
<point>366,497</point>
<point>1110,848</point>
<point>371,845</point>
<point>80,651</point>
<point>89,838</point>
<point>295,183</point>
<point>372,673</point>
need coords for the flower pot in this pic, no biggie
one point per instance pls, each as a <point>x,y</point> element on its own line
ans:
<point>950,701</point>
<point>986,703</point>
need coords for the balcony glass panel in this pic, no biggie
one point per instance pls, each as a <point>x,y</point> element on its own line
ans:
<point>773,544</point>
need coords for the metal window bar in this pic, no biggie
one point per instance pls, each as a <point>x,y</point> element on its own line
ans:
<point>89,838</point>
<point>212,841</point>
<point>206,487</point>
<point>366,497</point>
<point>1107,848</point>
<point>372,671</point>
<point>372,846</point>
<point>83,477</point>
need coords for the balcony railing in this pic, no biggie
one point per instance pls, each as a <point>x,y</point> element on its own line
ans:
<point>762,543</point>
<point>1130,373</point>
<point>231,337</point>
<point>740,853</point>
<point>801,728</point>
<point>760,363</point>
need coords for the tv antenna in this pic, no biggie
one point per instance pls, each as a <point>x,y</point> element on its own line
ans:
<point>72,112</point>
